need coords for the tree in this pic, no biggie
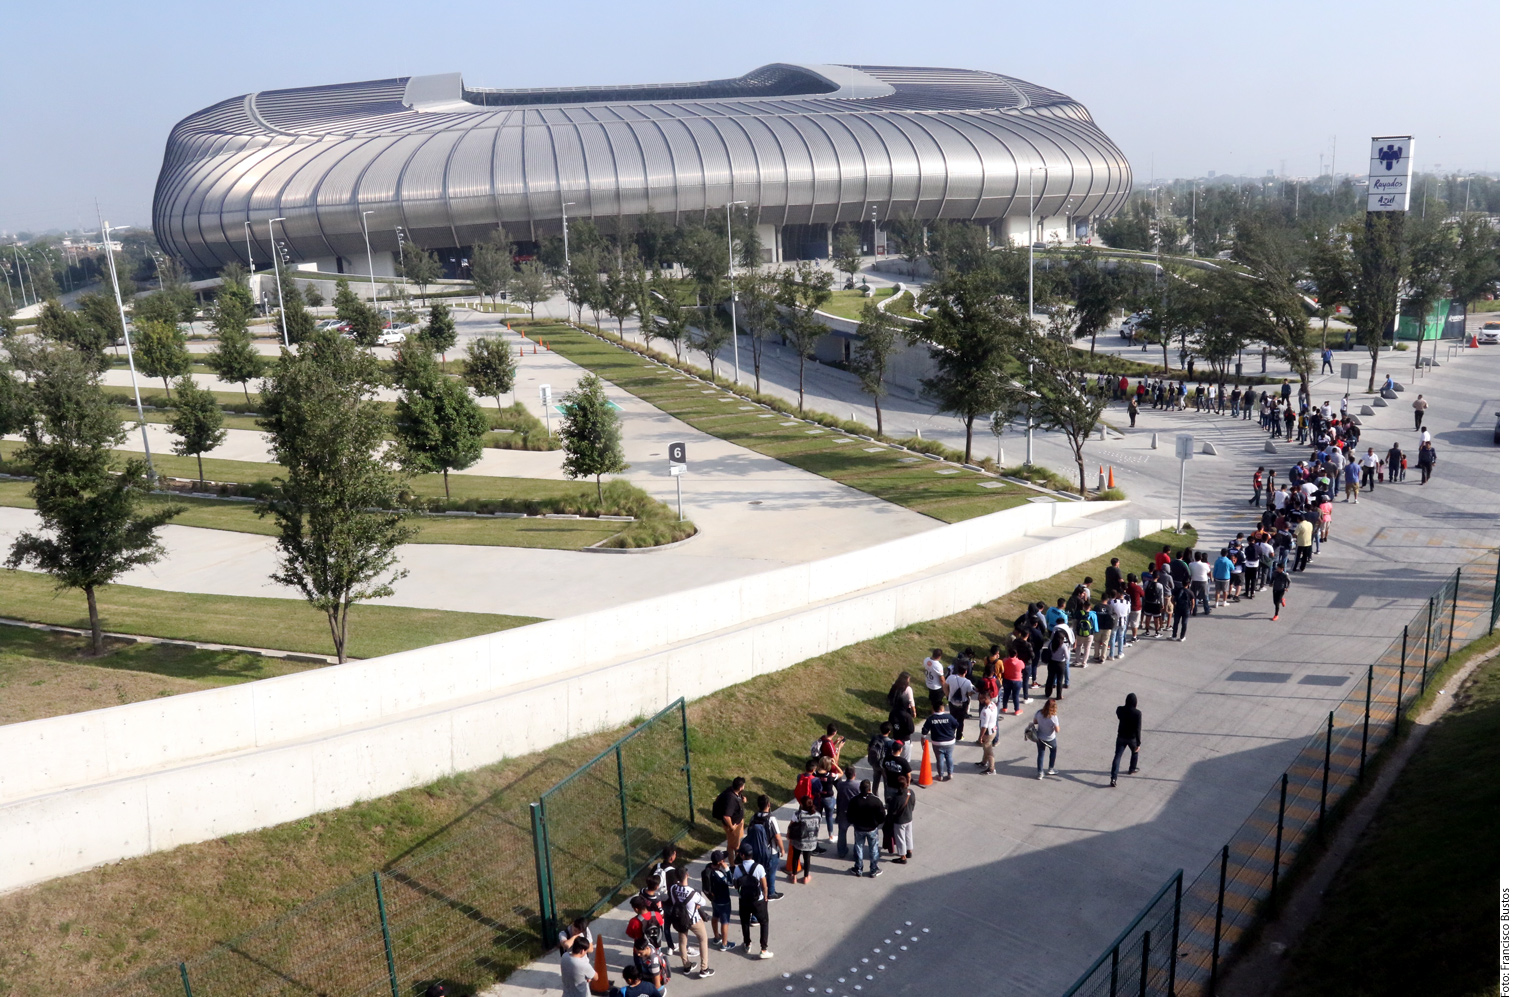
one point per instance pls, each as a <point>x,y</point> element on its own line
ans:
<point>489,368</point>
<point>234,358</point>
<point>760,310</point>
<point>419,266</point>
<point>104,318</point>
<point>15,407</point>
<point>621,292</point>
<point>1268,305</point>
<point>909,239</point>
<point>970,335</point>
<point>582,284</point>
<point>591,433</point>
<point>1429,250</point>
<point>294,320</point>
<point>802,289</point>
<point>490,270</point>
<point>440,333</point>
<point>161,351</point>
<point>347,302</point>
<point>1095,291</point>
<point>879,339</point>
<point>73,329</point>
<point>313,296</point>
<point>89,504</point>
<point>844,250</point>
<point>336,544</point>
<point>530,285</point>
<point>1474,269</point>
<point>1332,269</point>
<point>1059,388</point>
<point>1378,255</point>
<point>957,245</point>
<point>439,425</point>
<point>668,319</point>
<point>159,306</point>
<point>196,423</point>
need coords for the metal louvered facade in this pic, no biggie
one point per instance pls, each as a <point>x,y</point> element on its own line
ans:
<point>802,145</point>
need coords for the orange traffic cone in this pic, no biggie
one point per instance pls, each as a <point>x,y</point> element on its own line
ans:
<point>1474,344</point>
<point>601,982</point>
<point>1110,481</point>
<point>924,779</point>
<point>533,349</point>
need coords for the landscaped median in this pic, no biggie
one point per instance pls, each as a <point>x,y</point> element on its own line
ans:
<point>173,905</point>
<point>918,474</point>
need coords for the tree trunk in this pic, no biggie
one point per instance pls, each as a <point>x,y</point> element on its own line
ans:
<point>165,388</point>
<point>245,394</point>
<point>499,406</point>
<point>802,383</point>
<point>620,327</point>
<point>599,492</point>
<point>1078,458</point>
<point>968,444</point>
<point>200,463</point>
<point>878,414</point>
<point>446,488</point>
<point>1165,354</point>
<point>96,635</point>
<point>336,620</point>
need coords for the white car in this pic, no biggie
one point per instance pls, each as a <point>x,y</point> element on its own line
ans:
<point>1489,334</point>
<point>1132,325</point>
<point>391,337</point>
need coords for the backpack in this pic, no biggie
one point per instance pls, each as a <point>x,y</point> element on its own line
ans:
<point>760,837</point>
<point>817,746</point>
<point>749,885</point>
<point>678,911</point>
<point>653,932</point>
<point>1085,628</point>
<point>959,695</point>
<point>716,808</point>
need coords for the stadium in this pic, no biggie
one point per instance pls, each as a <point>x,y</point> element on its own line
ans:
<point>806,148</point>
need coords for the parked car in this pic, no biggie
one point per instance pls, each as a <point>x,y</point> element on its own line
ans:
<point>1132,325</point>
<point>391,337</point>
<point>332,323</point>
<point>1489,334</point>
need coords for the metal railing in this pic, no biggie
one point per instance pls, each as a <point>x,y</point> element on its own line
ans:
<point>472,904</point>
<point>1201,925</point>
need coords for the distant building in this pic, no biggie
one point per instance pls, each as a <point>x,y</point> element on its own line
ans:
<point>806,147</point>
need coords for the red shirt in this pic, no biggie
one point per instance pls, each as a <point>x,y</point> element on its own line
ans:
<point>1014,668</point>
<point>634,926</point>
<point>1162,559</point>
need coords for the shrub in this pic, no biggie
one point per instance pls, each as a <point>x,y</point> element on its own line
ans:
<point>1110,495</point>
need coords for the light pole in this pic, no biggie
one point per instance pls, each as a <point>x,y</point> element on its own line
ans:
<point>736,352</point>
<point>1030,372</point>
<point>247,230</point>
<point>1031,259</point>
<point>566,206</point>
<point>278,278</point>
<point>110,259</point>
<point>21,274</point>
<point>373,288</point>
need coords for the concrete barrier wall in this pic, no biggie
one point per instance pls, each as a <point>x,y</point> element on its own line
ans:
<point>110,784</point>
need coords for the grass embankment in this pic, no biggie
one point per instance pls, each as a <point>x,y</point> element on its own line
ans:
<point>1416,907</point>
<point>281,624</point>
<point>89,929</point>
<point>944,492</point>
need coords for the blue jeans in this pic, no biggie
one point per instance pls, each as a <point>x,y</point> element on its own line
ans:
<point>1013,693</point>
<point>1118,640</point>
<point>1121,744</point>
<point>1042,748</point>
<point>842,827</point>
<point>866,846</point>
<point>828,807</point>
<point>942,753</point>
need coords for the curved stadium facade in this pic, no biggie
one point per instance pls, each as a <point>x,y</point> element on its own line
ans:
<point>806,147</point>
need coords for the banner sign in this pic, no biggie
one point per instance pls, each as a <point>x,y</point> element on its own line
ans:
<point>1389,173</point>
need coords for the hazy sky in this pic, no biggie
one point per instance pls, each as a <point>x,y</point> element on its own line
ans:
<point>89,91</point>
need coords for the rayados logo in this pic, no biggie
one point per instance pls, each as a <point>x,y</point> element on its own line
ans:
<point>1391,185</point>
<point>1390,155</point>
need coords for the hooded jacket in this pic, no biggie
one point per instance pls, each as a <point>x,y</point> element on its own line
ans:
<point>1130,720</point>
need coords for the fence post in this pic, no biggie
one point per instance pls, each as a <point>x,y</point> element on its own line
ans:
<point>1325,775</point>
<point>1178,903</point>
<point>184,978</point>
<point>1220,910</point>
<point>1146,959</point>
<point>544,876</point>
<point>1494,605</point>
<point>688,765</point>
<point>1367,713</point>
<point>1115,970</point>
<point>1278,832</point>
<point>389,950</point>
<point>620,780</point>
<point>1399,697</point>
<point>1425,657</point>
<point>1452,624</point>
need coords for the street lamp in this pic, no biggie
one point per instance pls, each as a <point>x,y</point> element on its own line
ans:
<point>247,230</point>
<point>278,278</point>
<point>566,206</point>
<point>373,288</point>
<point>736,352</point>
<point>1031,249</point>
<point>131,363</point>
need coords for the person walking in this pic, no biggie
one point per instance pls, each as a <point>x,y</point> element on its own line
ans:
<point>751,881</point>
<point>1280,589</point>
<point>1325,359</point>
<point>1044,728</point>
<point>1395,461</point>
<point>729,812</point>
<point>865,815</point>
<point>1128,734</point>
<point>1131,411</point>
<point>1426,461</point>
<point>687,918</point>
<point>941,729</point>
<point>988,732</point>
<point>1304,541</point>
<point>1257,488</point>
<point>1352,474</point>
<point>1419,405</point>
<point>902,817</point>
<point>1372,469</point>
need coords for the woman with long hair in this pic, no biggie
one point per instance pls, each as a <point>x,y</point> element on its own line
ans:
<point>1046,724</point>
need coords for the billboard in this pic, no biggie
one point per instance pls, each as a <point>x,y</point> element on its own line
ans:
<point>1389,173</point>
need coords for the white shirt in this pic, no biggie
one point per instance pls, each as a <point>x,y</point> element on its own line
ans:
<point>1370,461</point>
<point>935,673</point>
<point>959,689</point>
<point>1120,607</point>
<point>988,717</point>
<point>1199,571</point>
<point>1309,489</point>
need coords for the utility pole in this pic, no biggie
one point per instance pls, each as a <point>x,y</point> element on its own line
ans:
<point>131,363</point>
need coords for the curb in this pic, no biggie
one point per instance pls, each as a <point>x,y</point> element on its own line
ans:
<point>321,659</point>
<point>596,549</point>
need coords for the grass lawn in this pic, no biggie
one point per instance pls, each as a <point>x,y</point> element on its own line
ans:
<point>893,475</point>
<point>46,674</point>
<point>1415,909</point>
<point>849,304</point>
<point>282,624</point>
<point>89,929</point>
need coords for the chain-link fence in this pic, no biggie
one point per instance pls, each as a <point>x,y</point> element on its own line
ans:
<point>1203,922</point>
<point>474,902</point>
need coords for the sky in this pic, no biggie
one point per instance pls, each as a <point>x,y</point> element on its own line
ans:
<point>89,91</point>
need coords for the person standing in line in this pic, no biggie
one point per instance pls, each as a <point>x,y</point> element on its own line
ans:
<point>1113,575</point>
<point>902,816</point>
<point>941,730</point>
<point>804,839</point>
<point>1248,399</point>
<point>751,881</point>
<point>936,675</point>
<point>1104,618</point>
<point>1224,567</point>
<point>636,986</point>
<point>687,917</point>
<point>1128,734</point>
<point>729,810</point>
<point>1304,539</point>
<point>902,711</point>
<point>896,767</point>
<point>1352,473</point>
<point>576,969</point>
<point>1249,565</point>
<point>865,814</point>
<point>715,880</point>
<point>1046,726</point>
<point>1426,461</point>
<point>1419,405</point>
<point>1199,581</point>
<point>766,845</point>
<point>988,732</point>
<point>1058,652</point>
<point>823,790</point>
<point>1183,606</point>
<point>959,695</point>
<point>1120,618</point>
<point>880,748</point>
<point>846,791</point>
<point>1280,589</point>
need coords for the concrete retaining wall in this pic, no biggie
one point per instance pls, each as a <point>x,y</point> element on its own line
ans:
<point>90,788</point>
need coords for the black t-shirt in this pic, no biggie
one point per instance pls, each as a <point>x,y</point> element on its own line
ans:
<point>895,766</point>
<point>1180,572</point>
<point>729,804</point>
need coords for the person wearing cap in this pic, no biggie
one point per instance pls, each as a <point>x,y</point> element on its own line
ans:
<point>715,880</point>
